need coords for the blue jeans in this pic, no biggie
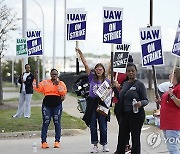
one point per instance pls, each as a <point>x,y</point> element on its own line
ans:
<point>102,120</point>
<point>172,138</point>
<point>47,113</point>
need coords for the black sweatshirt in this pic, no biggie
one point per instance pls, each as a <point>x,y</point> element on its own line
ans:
<point>131,90</point>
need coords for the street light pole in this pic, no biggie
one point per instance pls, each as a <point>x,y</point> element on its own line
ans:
<point>64,35</point>
<point>43,59</point>
<point>54,34</point>
<point>24,27</point>
<point>12,68</point>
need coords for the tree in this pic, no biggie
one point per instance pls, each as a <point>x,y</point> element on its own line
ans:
<point>7,69</point>
<point>7,24</point>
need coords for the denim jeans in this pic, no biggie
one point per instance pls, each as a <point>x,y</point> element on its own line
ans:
<point>102,120</point>
<point>47,113</point>
<point>172,138</point>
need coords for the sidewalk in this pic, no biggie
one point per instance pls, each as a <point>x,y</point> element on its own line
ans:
<point>79,141</point>
<point>10,92</point>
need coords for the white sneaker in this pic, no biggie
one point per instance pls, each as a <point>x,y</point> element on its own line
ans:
<point>14,116</point>
<point>105,148</point>
<point>95,149</point>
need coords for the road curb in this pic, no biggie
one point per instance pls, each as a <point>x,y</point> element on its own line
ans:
<point>34,134</point>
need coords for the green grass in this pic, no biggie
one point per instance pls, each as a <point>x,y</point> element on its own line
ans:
<point>12,90</point>
<point>8,84</point>
<point>11,100</point>
<point>9,124</point>
<point>37,96</point>
<point>149,112</point>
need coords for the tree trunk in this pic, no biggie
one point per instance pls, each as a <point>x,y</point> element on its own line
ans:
<point>1,90</point>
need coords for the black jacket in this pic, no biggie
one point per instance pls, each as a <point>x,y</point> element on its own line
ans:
<point>28,83</point>
<point>92,103</point>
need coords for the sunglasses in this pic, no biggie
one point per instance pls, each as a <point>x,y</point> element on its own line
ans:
<point>98,69</point>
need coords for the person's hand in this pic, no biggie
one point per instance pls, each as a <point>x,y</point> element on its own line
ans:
<point>78,50</point>
<point>170,91</point>
<point>116,84</point>
<point>22,78</point>
<point>62,98</point>
<point>138,104</point>
<point>56,82</point>
<point>157,99</point>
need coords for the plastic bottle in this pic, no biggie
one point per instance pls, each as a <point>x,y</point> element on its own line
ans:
<point>34,147</point>
<point>135,109</point>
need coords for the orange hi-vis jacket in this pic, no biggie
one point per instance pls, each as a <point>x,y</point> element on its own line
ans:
<point>48,88</point>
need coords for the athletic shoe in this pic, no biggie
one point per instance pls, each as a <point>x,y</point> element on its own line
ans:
<point>95,149</point>
<point>26,117</point>
<point>14,116</point>
<point>105,148</point>
<point>56,144</point>
<point>44,145</point>
<point>128,148</point>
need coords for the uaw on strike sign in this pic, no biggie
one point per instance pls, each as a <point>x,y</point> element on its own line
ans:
<point>112,25</point>
<point>21,48</point>
<point>121,56</point>
<point>150,39</point>
<point>76,24</point>
<point>176,46</point>
<point>34,42</point>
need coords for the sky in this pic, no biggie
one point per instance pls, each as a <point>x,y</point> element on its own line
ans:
<point>166,13</point>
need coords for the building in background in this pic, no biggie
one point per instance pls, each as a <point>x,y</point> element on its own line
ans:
<point>162,72</point>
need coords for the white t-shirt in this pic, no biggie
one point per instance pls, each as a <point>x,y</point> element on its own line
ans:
<point>24,78</point>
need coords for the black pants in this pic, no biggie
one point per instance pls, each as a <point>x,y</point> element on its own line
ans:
<point>131,123</point>
<point>127,142</point>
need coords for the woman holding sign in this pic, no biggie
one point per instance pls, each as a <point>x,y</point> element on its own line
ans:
<point>96,79</point>
<point>170,113</point>
<point>132,99</point>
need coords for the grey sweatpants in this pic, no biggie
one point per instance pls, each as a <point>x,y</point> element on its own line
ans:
<point>24,105</point>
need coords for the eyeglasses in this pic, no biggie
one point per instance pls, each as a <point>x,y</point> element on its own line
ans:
<point>98,69</point>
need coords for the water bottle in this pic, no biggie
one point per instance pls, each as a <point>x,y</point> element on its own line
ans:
<point>135,109</point>
<point>34,147</point>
